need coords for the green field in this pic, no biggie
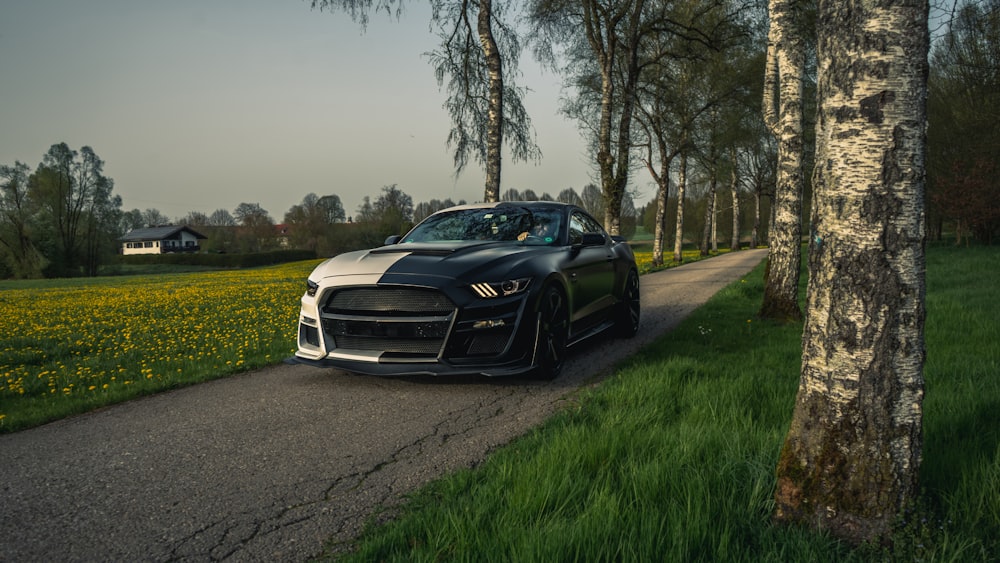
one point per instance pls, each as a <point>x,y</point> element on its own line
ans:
<point>672,458</point>
<point>68,346</point>
<point>72,345</point>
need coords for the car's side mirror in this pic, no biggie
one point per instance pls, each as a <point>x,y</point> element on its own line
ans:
<point>392,239</point>
<point>593,239</point>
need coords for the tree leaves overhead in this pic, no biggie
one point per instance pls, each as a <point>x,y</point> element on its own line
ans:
<point>359,10</point>
<point>461,67</point>
<point>476,64</point>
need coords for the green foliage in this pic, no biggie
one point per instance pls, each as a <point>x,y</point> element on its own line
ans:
<point>963,139</point>
<point>476,63</point>
<point>310,222</point>
<point>61,219</point>
<point>672,458</point>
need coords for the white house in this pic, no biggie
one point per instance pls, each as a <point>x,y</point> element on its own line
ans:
<point>158,240</point>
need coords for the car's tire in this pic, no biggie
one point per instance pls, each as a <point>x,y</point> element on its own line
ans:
<point>553,333</point>
<point>629,309</point>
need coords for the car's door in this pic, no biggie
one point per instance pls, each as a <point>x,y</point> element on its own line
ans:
<point>590,270</point>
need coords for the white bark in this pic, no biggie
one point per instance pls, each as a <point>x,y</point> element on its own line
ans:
<point>851,457</point>
<point>494,130</point>
<point>708,233</point>
<point>662,196</point>
<point>783,116</point>
<point>734,189</point>
<point>681,189</point>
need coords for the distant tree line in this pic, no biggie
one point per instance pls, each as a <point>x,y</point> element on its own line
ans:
<point>669,88</point>
<point>320,223</point>
<point>59,220</point>
<point>62,219</point>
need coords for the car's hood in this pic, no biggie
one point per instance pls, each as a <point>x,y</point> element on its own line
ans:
<point>472,261</point>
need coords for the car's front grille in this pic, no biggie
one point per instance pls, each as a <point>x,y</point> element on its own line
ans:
<point>402,301</point>
<point>396,320</point>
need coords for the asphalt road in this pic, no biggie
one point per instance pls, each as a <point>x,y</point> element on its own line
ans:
<point>269,465</point>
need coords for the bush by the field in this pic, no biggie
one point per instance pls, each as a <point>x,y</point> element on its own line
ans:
<point>211,260</point>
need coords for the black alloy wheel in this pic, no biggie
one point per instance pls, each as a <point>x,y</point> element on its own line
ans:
<point>627,323</point>
<point>553,332</point>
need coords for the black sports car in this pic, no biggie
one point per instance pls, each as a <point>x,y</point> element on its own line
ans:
<point>493,289</point>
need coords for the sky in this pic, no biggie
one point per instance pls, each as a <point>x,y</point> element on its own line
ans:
<point>198,105</point>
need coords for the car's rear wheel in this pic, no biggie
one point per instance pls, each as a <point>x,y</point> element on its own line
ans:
<point>627,323</point>
<point>553,332</point>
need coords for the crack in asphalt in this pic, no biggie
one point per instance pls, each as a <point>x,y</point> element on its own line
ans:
<point>456,424</point>
<point>232,539</point>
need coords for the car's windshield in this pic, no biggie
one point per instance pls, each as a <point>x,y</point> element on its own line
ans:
<point>516,224</point>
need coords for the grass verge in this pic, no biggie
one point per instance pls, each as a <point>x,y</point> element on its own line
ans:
<point>672,459</point>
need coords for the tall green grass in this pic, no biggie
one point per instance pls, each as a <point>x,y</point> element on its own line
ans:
<point>961,468</point>
<point>672,458</point>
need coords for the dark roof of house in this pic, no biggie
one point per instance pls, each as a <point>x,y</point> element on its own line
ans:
<point>160,233</point>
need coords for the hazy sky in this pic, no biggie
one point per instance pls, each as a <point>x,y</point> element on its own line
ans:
<point>197,105</point>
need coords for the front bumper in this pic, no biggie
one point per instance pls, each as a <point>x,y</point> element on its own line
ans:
<point>399,331</point>
<point>404,369</point>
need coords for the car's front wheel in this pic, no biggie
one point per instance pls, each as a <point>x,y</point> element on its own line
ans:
<point>553,332</point>
<point>627,322</point>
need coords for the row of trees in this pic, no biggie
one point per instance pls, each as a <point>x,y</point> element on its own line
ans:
<point>672,87</point>
<point>62,219</point>
<point>656,86</point>
<point>321,225</point>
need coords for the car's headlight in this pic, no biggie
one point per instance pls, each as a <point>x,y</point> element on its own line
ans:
<point>500,289</point>
<point>311,288</point>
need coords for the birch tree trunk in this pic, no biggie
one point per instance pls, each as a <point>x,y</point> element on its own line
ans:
<point>850,461</point>
<point>681,188</point>
<point>494,130</point>
<point>734,189</point>
<point>715,223</point>
<point>708,233</point>
<point>755,233</point>
<point>662,196</point>
<point>614,32</point>
<point>783,116</point>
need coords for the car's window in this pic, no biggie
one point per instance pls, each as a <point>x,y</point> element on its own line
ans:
<point>546,226</point>
<point>503,223</point>
<point>580,223</point>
